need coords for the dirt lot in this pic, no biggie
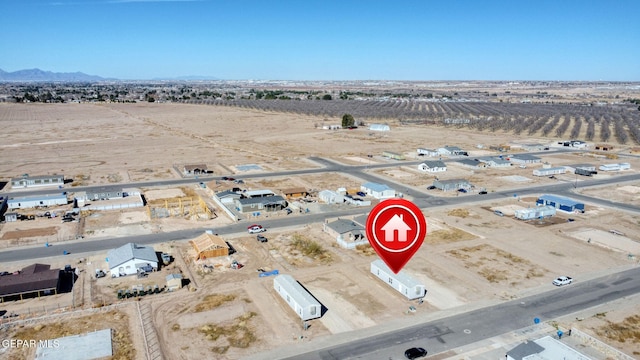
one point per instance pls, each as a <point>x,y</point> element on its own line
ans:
<point>469,255</point>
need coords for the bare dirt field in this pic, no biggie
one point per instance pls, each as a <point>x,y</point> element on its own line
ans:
<point>469,255</point>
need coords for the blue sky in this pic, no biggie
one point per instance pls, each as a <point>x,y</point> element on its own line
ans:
<point>325,40</point>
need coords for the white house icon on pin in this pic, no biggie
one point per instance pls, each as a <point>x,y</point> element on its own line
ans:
<point>396,223</point>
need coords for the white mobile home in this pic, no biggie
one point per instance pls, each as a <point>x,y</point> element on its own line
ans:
<point>549,171</point>
<point>27,202</point>
<point>378,191</point>
<point>27,181</point>
<point>428,152</point>
<point>298,298</point>
<point>402,282</point>
<point>535,213</point>
<point>615,167</point>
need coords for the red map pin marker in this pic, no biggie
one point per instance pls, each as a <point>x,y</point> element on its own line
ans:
<point>396,229</point>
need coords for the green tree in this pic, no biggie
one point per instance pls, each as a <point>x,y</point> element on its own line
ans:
<point>347,120</point>
<point>326,97</point>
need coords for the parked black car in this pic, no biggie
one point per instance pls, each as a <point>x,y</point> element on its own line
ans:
<point>415,353</point>
<point>261,238</point>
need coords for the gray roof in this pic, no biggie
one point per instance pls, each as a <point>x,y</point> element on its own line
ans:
<point>525,349</point>
<point>435,163</point>
<point>453,181</point>
<point>342,226</point>
<point>376,187</point>
<point>524,157</point>
<point>131,251</point>
<point>105,189</point>
<point>266,200</point>
<point>173,276</point>
<point>469,162</point>
<point>452,148</point>
<point>227,193</point>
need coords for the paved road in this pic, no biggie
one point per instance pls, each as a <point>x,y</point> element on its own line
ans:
<point>467,328</point>
<point>424,200</point>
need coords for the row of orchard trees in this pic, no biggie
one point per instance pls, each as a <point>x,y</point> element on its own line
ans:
<point>619,122</point>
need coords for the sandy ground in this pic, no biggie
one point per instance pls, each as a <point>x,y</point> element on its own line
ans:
<point>465,259</point>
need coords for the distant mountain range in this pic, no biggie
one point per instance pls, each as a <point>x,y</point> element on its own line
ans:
<point>36,75</point>
<point>41,75</point>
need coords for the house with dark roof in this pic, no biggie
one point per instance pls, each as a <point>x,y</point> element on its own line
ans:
<point>33,280</point>
<point>131,259</point>
<point>267,203</point>
<point>433,166</point>
<point>348,233</point>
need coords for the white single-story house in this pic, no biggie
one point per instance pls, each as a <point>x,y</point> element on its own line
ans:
<point>497,162</point>
<point>27,202</point>
<point>550,171</point>
<point>297,297</point>
<point>615,167</point>
<point>330,197</point>
<point>26,181</point>
<point>378,191</point>
<point>131,259</point>
<point>524,159</point>
<point>433,166</point>
<point>451,151</point>
<point>401,282</point>
<point>452,184</point>
<point>428,152</point>
<point>535,213</point>
<point>544,348</point>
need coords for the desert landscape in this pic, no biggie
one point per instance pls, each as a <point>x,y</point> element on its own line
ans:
<point>470,257</point>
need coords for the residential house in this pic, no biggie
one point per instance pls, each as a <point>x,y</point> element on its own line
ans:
<point>297,297</point>
<point>402,282</point>
<point>131,259</point>
<point>330,197</point>
<point>428,152</point>
<point>524,159</point>
<point>348,233</point>
<point>267,203</point>
<point>452,184</point>
<point>26,202</point>
<point>26,181</point>
<point>378,191</point>
<point>433,166</point>
<point>393,155</point>
<point>294,193</point>
<point>452,151</point>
